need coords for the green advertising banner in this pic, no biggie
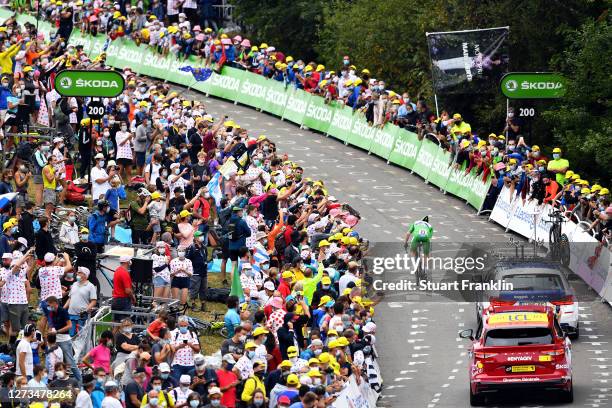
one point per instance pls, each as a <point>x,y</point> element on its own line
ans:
<point>342,122</point>
<point>533,85</point>
<point>297,103</point>
<point>361,134</point>
<point>478,192</point>
<point>440,169</point>
<point>276,97</point>
<point>383,141</point>
<point>103,83</point>
<point>318,115</point>
<point>405,148</point>
<point>426,156</point>
<point>227,85</point>
<point>252,91</point>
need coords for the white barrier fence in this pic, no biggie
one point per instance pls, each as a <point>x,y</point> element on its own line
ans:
<point>590,259</point>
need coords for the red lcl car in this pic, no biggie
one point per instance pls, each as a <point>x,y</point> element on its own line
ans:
<point>519,347</point>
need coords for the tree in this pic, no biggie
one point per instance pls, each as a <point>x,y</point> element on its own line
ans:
<point>289,26</point>
<point>581,120</point>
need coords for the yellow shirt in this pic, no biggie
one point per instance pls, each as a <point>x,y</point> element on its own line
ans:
<point>6,58</point>
<point>251,384</point>
<point>164,400</point>
<point>556,165</point>
<point>46,183</point>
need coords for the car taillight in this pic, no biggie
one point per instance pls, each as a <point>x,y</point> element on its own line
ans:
<point>501,302</point>
<point>565,301</point>
<point>556,352</point>
<point>480,354</point>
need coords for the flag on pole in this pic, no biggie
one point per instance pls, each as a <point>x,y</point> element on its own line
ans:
<point>199,74</point>
<point>214,188</point>
<point>236,289</point>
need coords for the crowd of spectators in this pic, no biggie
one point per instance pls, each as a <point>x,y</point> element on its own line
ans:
<point>301,323</point>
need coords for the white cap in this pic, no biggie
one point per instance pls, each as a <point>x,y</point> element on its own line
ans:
<point>125,258</point>
<point>164,368</point>
<point>83,270</point>
<point>214,390</point>
<point>22,241</point>
<point>269,285</point>
<point>229,358</point>
<point>111,163</point>
<point>49,257</point>
<point>160,244</point>
<point>247,266</point>
<point>369,327</point>
<point>57,139</point>
<point>173,165</point>
<point>7,255</point>
<point>185,379</point>
<point>313,217</point>
<point>99,156</point>
<point>332,198</point>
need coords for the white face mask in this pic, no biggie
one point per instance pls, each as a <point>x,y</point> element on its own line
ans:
<point>124,128</point>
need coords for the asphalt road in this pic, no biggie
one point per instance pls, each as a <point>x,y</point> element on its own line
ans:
<point>423,362</point>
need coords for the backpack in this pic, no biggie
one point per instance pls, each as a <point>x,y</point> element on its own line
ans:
<point>24,151</point>
<point>279,242</point>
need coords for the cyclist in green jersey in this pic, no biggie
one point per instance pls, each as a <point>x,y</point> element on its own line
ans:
<point>421,232</point>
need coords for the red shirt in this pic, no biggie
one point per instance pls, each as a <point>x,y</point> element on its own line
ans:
<point>121,282</point>
<point>284,289</point>
<point>228,399</point>
<point>205,207</point>
<point>155,327</point>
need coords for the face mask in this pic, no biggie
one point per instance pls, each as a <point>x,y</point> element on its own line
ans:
<point>196,403</point>
<point>153,401</point>
<point>181,255</point>
<point>201,239</point>
<point>325,287</point>
<point>215,403</point>
<point>78,278</point>
<point>556,156</point>
<point>127,330</point>
<point>124,128</point>
<point>511,147</point>
<point>14,230</point>
<point>70,275</point>
<point>106,133</point>
<point>101,163</point>
<point>318,352</point>
<point>164,376</point>
<point>111,121</point>
<point>258,402</point>
<point>251,354</point>
<point>184,388</point>
<point>72,218</point>
<point>183,329</point>
<point>293,359</point>
<point>201,162</point>
<point>177,171</point>
<point>536,154</point>
<point>60,374</point>
<point>331,338</point>
<point>317,381</point>
<point>259,374</point>
<point>157,387</point>
<point>84,237</point>
<point>5,84</point>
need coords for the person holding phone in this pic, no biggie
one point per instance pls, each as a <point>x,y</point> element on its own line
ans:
<point>184,345</point>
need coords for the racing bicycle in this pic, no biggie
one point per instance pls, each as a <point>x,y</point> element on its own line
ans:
<point>559,242</point>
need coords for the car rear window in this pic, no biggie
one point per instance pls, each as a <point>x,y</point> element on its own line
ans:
<point>519,336</point>
<point>535,282</point>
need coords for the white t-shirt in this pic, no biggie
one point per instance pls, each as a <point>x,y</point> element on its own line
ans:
<point>83,400</point>
<point>99,189</point>
<point>111,402</point>
<point>25,347</point>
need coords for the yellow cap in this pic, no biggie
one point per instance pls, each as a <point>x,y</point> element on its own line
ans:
<point>285,363</point>
<point>323,243</point>
<point>358,81</point>
<point>365,71</point>
<point>289,58</point>
<point>320,68</point>
<point>27,68</point>
<point>184,214</point>
<point>324,299</point>
<point>604,191</point>
<point>482,143</point>
<point>569,174</point>
<point>155,195</point>
<point>324,358</point>
<point>596,187</point>
<point>342,341</point>
<point>259,331</point>
<point>541,161</point>
<point>326,280</point>
<point>556,150</point>
<point>535,148</point>
<point>293,379</point>
<point>263,46</point>
<point>575,176</point>
<point>292,350</point>
<point>585,190</point>
<point>287,275</point>
<point>348,83</point>
<point>308,68</point>
<point>84,230</point>
<point>457,116</point>
<point>512,161</point>
<point>224,35</point>
<point>314,373</point>
<point>314,360</point>
<point>250,344</point>
<point>353,241</point>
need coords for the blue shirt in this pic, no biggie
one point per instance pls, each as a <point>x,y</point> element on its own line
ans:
<point>232,320</point>
<point>59,318</point>
<point>113,195</point>
<point>97,227</point>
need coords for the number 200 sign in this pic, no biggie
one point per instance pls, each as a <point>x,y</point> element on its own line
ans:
<point>95,110</point>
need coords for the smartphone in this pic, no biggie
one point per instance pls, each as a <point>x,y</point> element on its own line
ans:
<point>184,341</point>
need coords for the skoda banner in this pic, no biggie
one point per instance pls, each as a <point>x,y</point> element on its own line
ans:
<point>469,61</point>
<point>533,85</point>
<point>106,84</point>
